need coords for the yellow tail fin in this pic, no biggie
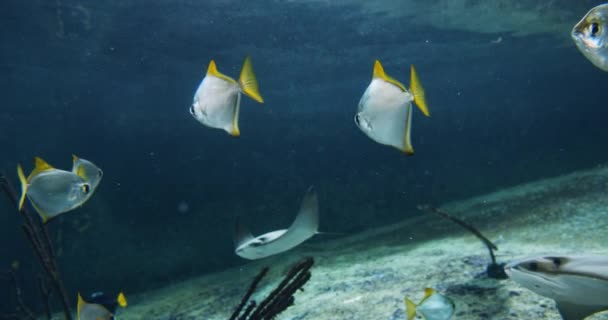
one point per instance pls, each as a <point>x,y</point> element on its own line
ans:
<point>248,82</point>
<point>418,92</point>
<point>410,308</point>
<point>23,181</point>
<point>122,300</point>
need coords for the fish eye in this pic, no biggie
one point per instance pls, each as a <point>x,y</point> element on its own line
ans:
<point>86,188</point>
<point>595,29</point>
<point>556,261</point>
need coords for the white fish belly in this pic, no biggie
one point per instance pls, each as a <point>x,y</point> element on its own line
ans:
<point>216,102</point>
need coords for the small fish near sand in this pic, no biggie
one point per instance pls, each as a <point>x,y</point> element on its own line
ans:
<point>304,227</point>
<point>88,171</point>
<point>217,100</point>
<point>434,306</point>
<point>385,110</point>
<point>591,37</point>
<point>99,311</point>
<point>52,191</point>
<point>577,283</point>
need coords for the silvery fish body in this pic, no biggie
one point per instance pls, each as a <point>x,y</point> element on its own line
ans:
<point>434,306</point>
<point>591,36</point>
<point>216,103</point>
<point>384,114</point>
<point>54,192</point>
<point>217,100</point>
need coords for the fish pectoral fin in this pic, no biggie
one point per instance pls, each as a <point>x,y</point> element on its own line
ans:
<point>571,311</point>
<point>418,92</point>
<point>380,74</point>
<point>248,82</point>
<point>23,181</point>
<point>410,309</point>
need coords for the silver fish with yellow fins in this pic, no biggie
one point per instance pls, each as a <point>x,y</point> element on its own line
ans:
<point>591,36</point>
<point>88,171</point>
<point>52,191</point>
<point>217,100</point>
<point>96,311</point>
<point>385,110</point>
<point>434,306</point>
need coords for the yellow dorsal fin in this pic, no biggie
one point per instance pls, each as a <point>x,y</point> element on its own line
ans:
<point>81,303</point>
<point>410,309</point>
<point>380,74</point>
<point>212,71</point>
<point>418,92</point>
<point>122,300</point>
<point>23,181</point>
<point>248,82</point>
<point>74,158</point>
<point>40,166</point>
<point>427,293</point>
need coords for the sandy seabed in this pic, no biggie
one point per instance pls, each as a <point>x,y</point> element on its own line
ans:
<point>367,275</point>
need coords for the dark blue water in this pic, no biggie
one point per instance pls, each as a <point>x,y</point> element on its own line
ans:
<point>112,82</point>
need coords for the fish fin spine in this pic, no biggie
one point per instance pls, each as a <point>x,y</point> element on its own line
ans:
<point>234,130</point>
<point>408,149</point>
<point>249,83</point>
<point>410,308</point>
<point>380,74</point>
<point>23,181</point>
<point>418,92</point>
<point>122,300</point>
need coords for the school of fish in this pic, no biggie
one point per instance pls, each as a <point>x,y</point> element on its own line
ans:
<point>578,284</point>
